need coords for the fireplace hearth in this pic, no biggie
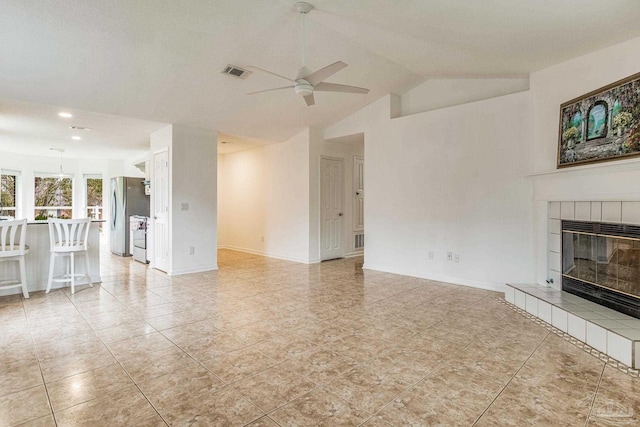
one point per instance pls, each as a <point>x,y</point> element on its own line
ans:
<point>601,263</point>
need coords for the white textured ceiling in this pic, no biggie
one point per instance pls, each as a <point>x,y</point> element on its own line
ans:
<point>30,128</point>
<point>160,61</point>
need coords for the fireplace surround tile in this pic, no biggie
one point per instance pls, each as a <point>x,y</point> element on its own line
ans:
<point>555,226</point>
<point>609,323</point>
<point>510,295</point>
<point>612,212</point>
<point>611,314</point>
<point>559,318</point>
<point>577,327</point>
<point>632,334</point>
<point>596,211</point>
<point>555,243</point>
<point>544,311</point>
<point>520,299</point>
<point>590,315</point>
<point>597,337</point>
<point>619,348</point>
<point>599,327</point>
<point>632,323</point>
<point>557,279</point>
<point>554,210</point>
<point>531,304</point>
<point>583,211</point>
<point>631,213</point>
<point>567,210</point>
<point>555,261</point>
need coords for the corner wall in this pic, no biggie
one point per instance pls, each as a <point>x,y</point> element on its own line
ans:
<point>192,198</point>
<point>441,93</point>
<point>449,180</point>
<point>264,199</point>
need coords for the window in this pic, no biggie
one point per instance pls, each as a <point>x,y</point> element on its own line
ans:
<point>53,197</point>
<point>94,197</point>
<point>8,194</point>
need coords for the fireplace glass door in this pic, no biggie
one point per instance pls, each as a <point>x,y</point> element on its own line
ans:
<point>604,261</point>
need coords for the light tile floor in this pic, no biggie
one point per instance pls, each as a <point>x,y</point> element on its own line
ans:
<point>264,342</point>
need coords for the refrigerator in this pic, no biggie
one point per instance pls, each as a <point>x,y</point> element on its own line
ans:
<point>127,198</point>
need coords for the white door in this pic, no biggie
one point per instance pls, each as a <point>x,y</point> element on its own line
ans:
<point>160,189</point>
<point>358,188</point>
<point>331,208</point>
<point>358,203</point>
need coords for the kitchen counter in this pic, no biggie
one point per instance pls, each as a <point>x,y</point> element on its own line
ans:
<point>37,259</point>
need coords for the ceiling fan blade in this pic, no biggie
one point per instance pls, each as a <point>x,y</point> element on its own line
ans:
<point>271,72</point>
<point>310,100</point>
<point>324,73</point>
<point>334,87</point>
<point>271,90</point>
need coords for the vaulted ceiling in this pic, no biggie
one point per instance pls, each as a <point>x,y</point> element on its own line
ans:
<point>160,61</point>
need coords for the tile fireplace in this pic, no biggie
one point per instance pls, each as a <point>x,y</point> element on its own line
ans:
<point>593,272</point>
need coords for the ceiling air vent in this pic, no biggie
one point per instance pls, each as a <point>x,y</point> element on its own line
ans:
<point>234,71</point>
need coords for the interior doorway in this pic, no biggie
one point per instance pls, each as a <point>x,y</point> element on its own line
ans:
<point>160,210</point>
<point>331,208</point>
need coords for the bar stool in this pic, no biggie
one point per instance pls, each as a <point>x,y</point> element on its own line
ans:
<point>13,235</point>
<point>69,237</point>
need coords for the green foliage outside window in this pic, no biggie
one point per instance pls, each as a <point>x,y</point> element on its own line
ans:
<point>53,197</point>
<point>7,195</point>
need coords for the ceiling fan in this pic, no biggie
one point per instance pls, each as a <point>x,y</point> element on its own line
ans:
<point>307,82</point>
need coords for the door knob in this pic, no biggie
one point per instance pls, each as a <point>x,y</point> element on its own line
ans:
<point>340,214</point>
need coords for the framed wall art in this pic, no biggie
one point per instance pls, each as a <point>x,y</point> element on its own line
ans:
<point>602,125</point>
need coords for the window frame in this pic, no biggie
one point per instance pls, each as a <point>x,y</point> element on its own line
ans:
<point>85,181</point>
<point>17,199</point>
<point>44,175</point>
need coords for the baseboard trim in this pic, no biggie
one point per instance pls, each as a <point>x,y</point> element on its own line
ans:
<point>192,270</point>
<point>446,279</point>
<point>268,255</point>
<point>354,254</point>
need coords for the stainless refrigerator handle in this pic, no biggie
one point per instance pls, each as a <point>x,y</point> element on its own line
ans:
<point>114,209</point>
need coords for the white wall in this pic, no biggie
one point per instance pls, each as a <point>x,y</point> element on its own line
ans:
<point>192,181</point>
<point>264,192</point>
<point>613,181</point>
<point>440,93</point>
<point>449,180</point>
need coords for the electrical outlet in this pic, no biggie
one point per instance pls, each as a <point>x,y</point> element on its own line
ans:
<point>192,250</point>
<point>449,256</point>
<point>430,255</point>
<point>184,206</point>
<point>456,257</point>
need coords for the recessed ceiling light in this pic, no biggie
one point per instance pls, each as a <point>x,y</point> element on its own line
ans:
<point>65,115</point>
<point>77,138</point>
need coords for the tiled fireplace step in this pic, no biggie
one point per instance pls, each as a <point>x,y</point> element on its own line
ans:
<point>608,331</point>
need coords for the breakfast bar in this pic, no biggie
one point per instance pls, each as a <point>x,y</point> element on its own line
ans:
<point>37,259</point>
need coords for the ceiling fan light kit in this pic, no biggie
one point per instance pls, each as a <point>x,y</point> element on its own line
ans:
<point>306,82</point>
